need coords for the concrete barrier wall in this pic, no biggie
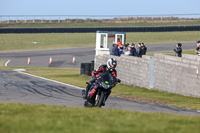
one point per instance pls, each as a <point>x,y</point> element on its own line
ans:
<point>177,75</point>
<point>167,73</point>
<point>131,70</point>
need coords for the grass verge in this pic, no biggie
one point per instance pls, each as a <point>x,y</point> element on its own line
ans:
<point>191,52</point>
<point>72,76</point>
<point>16,42</point>
<point>26,118</point>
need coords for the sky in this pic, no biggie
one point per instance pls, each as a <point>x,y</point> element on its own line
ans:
<point>98,7</point>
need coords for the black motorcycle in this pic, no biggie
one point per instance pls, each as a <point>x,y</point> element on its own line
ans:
<point>105,83</point>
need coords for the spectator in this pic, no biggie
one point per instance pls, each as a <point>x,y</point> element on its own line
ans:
<point>198,48</point>
<point>133,50</point>
<point>139,50</point>
<point>128,52</point>
<point>111,49</point>
<point>116,50</point>
<point>178,50</point>
<point>126,47</point>
<point>119,43</point>
<point>120,50</point>
<point>144,49</point>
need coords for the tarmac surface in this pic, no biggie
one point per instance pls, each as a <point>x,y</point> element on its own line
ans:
<point>23,88</point>
<point>63,57</point>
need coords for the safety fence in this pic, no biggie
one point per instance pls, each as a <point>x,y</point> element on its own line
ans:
<point>95,29</point>
<point>98,18</point>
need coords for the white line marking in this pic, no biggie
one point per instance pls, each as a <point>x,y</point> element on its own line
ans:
<point>6,64</point>
<point>51,80</point>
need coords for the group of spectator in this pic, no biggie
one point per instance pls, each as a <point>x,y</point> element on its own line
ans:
<point>178,49</point>
<point>130,50</point>
<point>126,49</point>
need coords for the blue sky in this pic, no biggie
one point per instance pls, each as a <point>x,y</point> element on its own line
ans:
<point>98,7</point>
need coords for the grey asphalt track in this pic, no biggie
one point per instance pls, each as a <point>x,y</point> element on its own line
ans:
<point>18,87</point>
<point>63,57</point>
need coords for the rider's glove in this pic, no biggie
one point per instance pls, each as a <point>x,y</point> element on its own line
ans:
<point>118,80</point>
<point>95,72</point>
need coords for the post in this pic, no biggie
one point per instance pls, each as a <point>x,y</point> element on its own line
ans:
<point>8,19</point>
<point>170,18</point>
<point>59,19</point>
<point>136,19</point>
<point>152,17</point>
<point>151,68</point>
<point>50,18</point>
<point>42,19</point>
<point>33,19</point>
<point>67,19</point>
<point>16,19</point>
<point>187,17</point>
<point>178,17</point>
<point>0,19</point>
<point>161,18</point>
<point>25,19</point>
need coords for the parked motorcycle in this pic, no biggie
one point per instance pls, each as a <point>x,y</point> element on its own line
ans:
<point>105,82</point>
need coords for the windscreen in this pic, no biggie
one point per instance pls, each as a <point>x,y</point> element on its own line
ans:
<point>106,77</point>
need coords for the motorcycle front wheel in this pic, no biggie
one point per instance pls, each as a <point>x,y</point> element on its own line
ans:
<point>99,99</point>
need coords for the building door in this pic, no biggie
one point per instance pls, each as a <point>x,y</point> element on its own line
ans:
<point>103,43</point>
<point>121,38</point>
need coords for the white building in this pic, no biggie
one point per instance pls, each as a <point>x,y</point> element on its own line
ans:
<point>105,39</point>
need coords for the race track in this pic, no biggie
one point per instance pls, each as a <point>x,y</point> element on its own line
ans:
<point>19,87</point>
<point>23,88</point>
<point>63,57</point>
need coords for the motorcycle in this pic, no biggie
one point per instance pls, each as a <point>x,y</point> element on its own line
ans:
<point>105,82</point>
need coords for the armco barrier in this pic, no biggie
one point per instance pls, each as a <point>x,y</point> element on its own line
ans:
<point>94,29</point>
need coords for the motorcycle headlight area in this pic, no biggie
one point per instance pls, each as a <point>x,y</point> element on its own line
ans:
<point>105,86</point>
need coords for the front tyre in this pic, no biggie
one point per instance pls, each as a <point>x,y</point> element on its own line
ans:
<point>100,97</point>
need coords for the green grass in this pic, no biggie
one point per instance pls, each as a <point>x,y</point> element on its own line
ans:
<point>20,118</point>
<point>16,42</point>
<point>191,52</point>
<point>93,24</point>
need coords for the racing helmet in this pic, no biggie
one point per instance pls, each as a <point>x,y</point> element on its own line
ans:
<point>111,64</point>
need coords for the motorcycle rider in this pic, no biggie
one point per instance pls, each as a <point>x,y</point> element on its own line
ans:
<point>110,67</point>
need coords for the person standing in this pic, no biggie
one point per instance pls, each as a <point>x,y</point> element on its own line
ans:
<point>111,49</point>
<point>119,43</point>
<point>128,52</point>
<point>198,48</point>
<point>178,50</point>
<point>116,50</point>
<point>120,50</point>
<point>133,50</point>
<point>144,49</point>
<point>139,50</point>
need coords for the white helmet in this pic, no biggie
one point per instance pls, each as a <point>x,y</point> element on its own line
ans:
<point>111,63</point>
